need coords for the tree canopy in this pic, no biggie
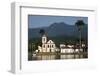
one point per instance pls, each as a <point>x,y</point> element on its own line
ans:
<point>79,24</point>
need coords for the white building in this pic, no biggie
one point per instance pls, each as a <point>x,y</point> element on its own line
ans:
<point>47,46</point>
<point>62,45</point>
<point>67,50</point>
<point>70,49</point>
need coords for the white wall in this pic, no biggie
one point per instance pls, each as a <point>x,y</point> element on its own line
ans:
<point>5,33</point>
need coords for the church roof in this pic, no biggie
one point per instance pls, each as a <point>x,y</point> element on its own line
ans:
<point>50,41</point>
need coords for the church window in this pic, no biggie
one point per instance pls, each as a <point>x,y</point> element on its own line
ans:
<point>44,46</point>
<point>52,46</point>
<point>44,39</point>
<point>50,50</point>
<point>48,46</point>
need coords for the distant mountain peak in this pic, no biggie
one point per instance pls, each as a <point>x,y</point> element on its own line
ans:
<point>58,29</point>
<point>59,24</point>
<point>62,23</point>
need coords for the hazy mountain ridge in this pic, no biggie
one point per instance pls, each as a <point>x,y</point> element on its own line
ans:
<point>58,29</point>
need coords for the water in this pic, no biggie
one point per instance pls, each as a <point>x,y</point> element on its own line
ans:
<point>54,57</point>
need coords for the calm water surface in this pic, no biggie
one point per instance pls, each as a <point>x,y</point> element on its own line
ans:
<point>53,57</point>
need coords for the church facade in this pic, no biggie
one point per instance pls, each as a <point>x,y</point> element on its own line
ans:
<point>47,45</point>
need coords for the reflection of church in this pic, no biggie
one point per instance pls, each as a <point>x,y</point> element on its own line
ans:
<point>47,46</point>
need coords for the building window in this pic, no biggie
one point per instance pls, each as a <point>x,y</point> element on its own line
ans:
<point>52,46</point>
<point>50,50</point>
<point>44,46</point>
<point>44,39</point>
<point>48,46</point>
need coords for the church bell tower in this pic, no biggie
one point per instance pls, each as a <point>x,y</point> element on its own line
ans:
<point>44,39</point>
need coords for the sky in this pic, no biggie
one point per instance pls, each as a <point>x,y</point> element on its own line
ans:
<point>35,21</point>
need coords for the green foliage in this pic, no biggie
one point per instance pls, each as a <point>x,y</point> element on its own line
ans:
<point>42,31</point>
<point>33,44</point>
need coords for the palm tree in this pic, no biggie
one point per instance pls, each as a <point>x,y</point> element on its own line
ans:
<point>80,24</point>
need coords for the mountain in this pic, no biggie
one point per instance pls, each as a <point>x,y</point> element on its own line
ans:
<point>58,30</point>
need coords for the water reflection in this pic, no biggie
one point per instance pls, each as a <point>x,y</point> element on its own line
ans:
<point>52,57</point>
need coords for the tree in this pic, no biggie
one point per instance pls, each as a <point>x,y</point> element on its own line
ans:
<point>42,31</point>
<point>80,24</point>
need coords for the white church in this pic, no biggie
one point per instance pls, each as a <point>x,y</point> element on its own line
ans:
<point>47,46</point>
